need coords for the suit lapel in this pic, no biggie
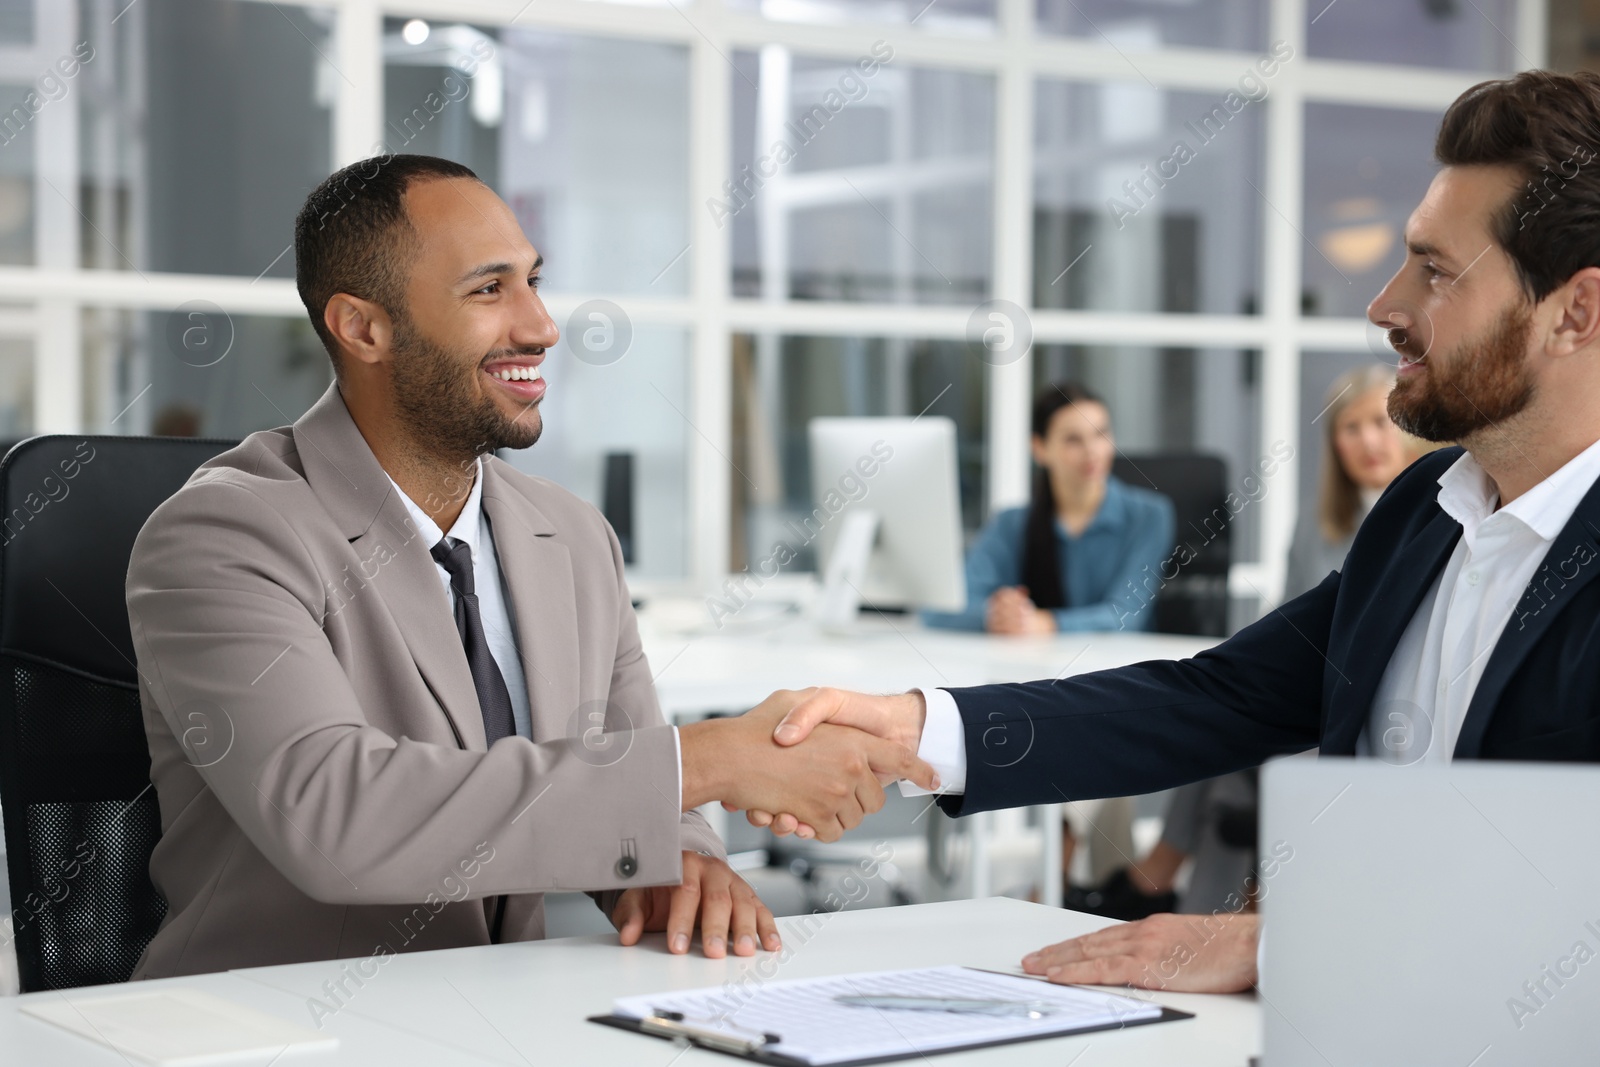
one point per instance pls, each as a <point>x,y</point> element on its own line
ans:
<point>1405,581</point>
<point>538,576</point>
<point>1572,562</point>
<point>409,584</point>
<point>393,561</point>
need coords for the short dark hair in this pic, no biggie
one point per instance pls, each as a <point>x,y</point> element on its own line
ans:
<point>1547,126</point>
<point>353,236</point>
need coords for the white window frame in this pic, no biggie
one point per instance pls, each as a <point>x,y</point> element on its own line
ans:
<point>57,289</point>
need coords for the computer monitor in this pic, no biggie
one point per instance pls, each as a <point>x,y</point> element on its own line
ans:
<point>886,515</point>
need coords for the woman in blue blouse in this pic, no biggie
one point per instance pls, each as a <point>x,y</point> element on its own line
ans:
<point>1076,557</point>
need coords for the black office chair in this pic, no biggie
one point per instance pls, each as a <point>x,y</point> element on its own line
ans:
<point>1196,600</point>
<point>80,814</point>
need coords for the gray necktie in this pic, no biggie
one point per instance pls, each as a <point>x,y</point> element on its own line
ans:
<point>494,700</point>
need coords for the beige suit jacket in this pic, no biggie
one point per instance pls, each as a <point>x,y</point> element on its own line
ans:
<point>315,739</point>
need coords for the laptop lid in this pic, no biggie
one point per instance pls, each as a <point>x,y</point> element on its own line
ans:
<point>1430,915</point>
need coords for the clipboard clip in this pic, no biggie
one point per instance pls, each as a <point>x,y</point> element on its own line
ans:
<point>675,1024</point>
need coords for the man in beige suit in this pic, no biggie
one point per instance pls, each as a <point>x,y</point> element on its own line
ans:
<point>393,688</point>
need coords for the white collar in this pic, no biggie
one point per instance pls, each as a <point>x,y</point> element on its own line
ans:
<point>1468,495</point>
<point>467,527</point>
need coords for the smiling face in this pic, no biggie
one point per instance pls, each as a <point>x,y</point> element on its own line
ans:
<point>1077,448</point>
<point>468,344</point>
<point>1457,313</point>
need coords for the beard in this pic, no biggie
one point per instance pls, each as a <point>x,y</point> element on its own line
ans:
<point>450,418</point>
<point>1481,383</point>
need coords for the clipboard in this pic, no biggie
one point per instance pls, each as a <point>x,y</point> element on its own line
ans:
<point>778,1059</point>
<point>746,1040</point>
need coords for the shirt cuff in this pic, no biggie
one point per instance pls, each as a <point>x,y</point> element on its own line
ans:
<point>677,748</point>
<point>943,746</point>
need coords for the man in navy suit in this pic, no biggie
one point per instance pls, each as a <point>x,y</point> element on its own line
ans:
<point>1465,623</point>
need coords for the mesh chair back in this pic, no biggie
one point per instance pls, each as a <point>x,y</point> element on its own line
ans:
<point>1196,601</point>
<point>80,813</point>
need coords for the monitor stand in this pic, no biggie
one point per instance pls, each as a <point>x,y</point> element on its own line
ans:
<point>840,603</point>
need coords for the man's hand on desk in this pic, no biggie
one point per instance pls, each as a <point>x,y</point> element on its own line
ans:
<point>897,718</point>
<point>1177,953</point>
<point>712,896</point>
<point>829,784</point>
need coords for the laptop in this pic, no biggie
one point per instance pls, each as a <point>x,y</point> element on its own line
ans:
<point>1430,915</point>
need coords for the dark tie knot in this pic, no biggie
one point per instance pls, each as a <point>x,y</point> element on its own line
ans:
<point>456,558</point>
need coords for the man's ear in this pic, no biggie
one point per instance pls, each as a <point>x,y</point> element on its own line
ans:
<point>1578,322</point>
<point>362,328</point>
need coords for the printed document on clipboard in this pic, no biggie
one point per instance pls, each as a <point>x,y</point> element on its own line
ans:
<point>878,1016</point>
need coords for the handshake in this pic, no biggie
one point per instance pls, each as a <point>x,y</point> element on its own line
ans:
<point>812,762</point>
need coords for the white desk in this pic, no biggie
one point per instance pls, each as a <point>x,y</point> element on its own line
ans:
<point>526,1003</point>
<point>734,668</point>
<point>700,669</point>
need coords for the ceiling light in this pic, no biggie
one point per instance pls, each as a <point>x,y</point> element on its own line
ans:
<point>1358,248</point>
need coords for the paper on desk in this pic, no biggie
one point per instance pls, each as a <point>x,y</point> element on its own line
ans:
<point>178,1027</point>
<point>816,1030</point>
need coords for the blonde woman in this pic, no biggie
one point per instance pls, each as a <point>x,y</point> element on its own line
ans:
<point>1362,452</point>
<point>1213,821</point>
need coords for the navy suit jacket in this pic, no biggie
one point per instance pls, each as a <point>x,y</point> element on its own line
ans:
<point>1305,675</point>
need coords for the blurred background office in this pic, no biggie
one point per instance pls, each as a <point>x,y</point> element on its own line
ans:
<point>758,212</point>
<point>997,150</point>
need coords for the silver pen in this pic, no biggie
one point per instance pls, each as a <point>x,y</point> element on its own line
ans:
<point>711,1033</point>
<point>1031,1009</point>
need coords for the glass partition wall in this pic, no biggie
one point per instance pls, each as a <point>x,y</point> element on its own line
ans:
<point>753,212</point>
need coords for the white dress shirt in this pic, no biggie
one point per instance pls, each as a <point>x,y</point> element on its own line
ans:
<point>1427,687</point>
<point>1422,700</point>
<point>472,527</point>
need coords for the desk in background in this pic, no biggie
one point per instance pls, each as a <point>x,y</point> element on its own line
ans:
<point>702,670</point>
<point>526,1003</point>
<point>734,668</point>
